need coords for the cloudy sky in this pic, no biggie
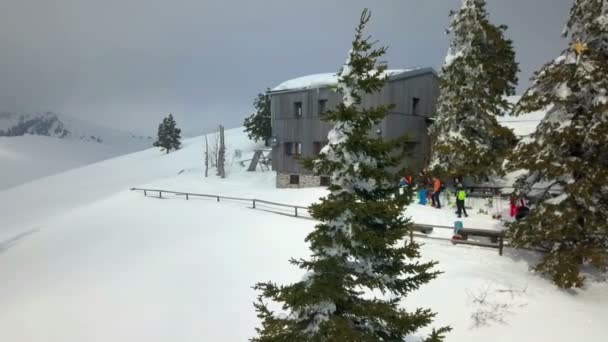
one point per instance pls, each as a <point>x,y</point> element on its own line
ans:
<point>126,63</point>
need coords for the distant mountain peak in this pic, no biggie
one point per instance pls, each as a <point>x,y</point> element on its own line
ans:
<point>52,124</point>
<point>47,124</point>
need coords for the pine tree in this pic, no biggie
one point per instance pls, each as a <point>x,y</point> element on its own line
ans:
<point>257,125</point>
<point>479,71</point>
<point>162,134</point>
<point>358,246</point>
<point>568,154</point>
<point>168,135</point>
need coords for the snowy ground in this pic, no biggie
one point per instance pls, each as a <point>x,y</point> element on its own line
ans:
<point>30,157</point>
<point>65,144</point>
<point>82,258</point>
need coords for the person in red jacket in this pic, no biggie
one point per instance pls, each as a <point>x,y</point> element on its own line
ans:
<point>436,193</point>
<point>513,207</point>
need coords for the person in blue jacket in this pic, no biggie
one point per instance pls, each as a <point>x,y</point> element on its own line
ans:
<point>423,182</point>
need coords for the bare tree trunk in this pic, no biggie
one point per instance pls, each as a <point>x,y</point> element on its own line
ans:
<point>221,163</point>
<point>218,151</point>
<point>213,149</point>
<point>206,157</point>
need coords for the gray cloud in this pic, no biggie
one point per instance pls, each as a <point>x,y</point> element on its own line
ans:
<point>127,63</point>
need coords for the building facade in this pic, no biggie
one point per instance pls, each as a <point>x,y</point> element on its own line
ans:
<point>298,106</point>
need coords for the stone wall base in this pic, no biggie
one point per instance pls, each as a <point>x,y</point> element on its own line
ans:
<point>305,181</point>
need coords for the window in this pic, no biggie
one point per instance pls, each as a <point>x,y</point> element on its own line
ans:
<point>410,146</point>
<point>293,148</point>
<point>325,181</point>
<point>294,179</point>
<point>297,109</point>
<point>317,146</point>
<point>322,107</point>
<point>415,105</point>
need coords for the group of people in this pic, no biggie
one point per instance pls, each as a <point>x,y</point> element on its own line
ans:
<point>432,187</point>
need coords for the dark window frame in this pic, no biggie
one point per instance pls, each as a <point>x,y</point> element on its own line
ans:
<point>288,148</point>
<point>415,105</point>
<point>293,148</point>
<point>410,146</point>
<point>322,107</point>
<point>325,181</point>
<point>294,179</point>
<point>297,148</point>
<point>298,109</point>
<point>317,146</point>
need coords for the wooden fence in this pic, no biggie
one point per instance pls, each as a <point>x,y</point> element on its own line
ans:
<point>496,237</point>
<point>296,211</point>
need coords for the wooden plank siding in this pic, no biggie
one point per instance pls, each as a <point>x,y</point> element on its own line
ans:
<point>309,128</point>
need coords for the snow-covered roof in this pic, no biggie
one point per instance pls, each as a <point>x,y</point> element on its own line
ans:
<point>324,80</point>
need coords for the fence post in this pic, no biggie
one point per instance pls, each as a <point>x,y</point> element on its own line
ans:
<point>254,204</point>
<point>296,211</point>
<point>500,244</point>
<point>186,196</point>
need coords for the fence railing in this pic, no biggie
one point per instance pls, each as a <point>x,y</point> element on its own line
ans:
<point>497,237</point>
<point>297,211</point>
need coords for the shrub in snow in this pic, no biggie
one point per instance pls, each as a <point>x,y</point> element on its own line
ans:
<point>479,71</point>
<point>568,154</point>
<point>257,125</point>
<point>360,270</point>
<point>168,135</point>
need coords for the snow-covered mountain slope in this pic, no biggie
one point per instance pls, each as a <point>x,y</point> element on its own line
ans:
<point>82,258</point>
<point>63,126</point>
<point>34,146</point>
<point>30,157</point>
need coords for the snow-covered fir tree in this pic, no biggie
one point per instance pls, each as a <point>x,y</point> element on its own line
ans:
<point>479,71</point>
<point>567,156</point>
<point>360,270</point>
<point>257,125</point>
<point>168,135</point>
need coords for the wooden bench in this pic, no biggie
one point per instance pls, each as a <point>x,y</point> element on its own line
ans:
<point>496,237</point>
<point>424,228</point>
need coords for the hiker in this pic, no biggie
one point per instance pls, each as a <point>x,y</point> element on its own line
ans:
<point>422,192</point>
<point>436,193</point>
<point>461,196</point>
<point>513,211</point>
<point>408,181</point>
<point>522,210</point>
<point>402,182</point>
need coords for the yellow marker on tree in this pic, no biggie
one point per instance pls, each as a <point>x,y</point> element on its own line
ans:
<point>580,48</point>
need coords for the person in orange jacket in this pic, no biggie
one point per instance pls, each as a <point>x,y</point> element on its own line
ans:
<point>436,193</point>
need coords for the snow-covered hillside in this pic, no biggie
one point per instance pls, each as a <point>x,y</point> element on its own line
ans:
<point>82,258</point>
<point>34,146</point>
<point>66,127</point>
